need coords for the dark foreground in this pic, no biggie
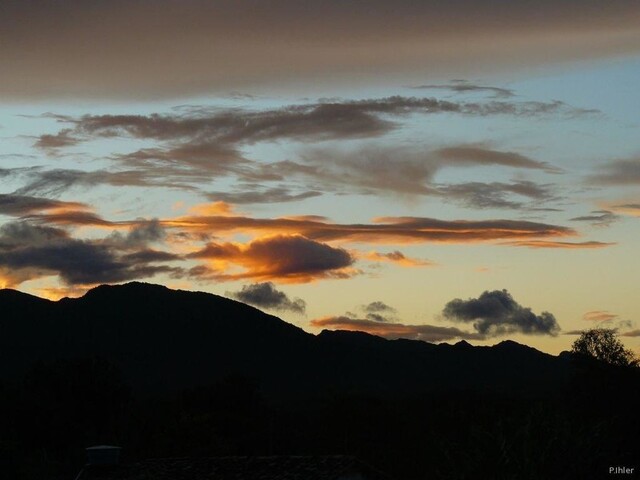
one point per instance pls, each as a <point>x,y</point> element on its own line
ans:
<point>174,374</point>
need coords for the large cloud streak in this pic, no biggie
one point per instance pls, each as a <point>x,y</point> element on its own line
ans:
<point>162,48</point>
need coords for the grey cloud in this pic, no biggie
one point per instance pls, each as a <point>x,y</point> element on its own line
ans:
<point>141,234</point>
<point>478,155</point>
<point>497,313</point>
<point>165,48</point>
<point>57,181</point>
<point>379,312</point>
<point>495,194</point>
<point>404,171</point>
<point>601,218</point>
<point>620,172</point>
<point>305,122</point>
<point>255,195</point>
<point>466,87</point>
<point>19,205</point>
<point>377,307</point>
<point>15,234</point>
<point>266,295</point>
<point>195,146</point>
<point>45,251</point>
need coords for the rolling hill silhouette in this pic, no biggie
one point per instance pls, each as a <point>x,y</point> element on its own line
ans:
<point>165,340</point>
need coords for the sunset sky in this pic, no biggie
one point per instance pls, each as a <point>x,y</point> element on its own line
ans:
<point>420,169</point>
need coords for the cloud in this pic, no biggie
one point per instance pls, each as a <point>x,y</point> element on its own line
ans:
<point>383,230</point>
<point>30,251</point>
<point>16,234</point>
<point>139,235</point>
<point>270,195</point>
<point>18,205</point>
<point>627,209</point>
<point>203,132</point>
<point>495,194</point>
<point>479,155</point>
<point>62,139</point>
<point>632,333</point>
<point>556,244</point>
<point>461,86</point>
<point>599,316</point>
<point>265,295</point>
<point>379,312</point>
<point>624,172</point>
<point>378,307</point>
<point>198,144</point>
<point>42,251</point>
<point>428,333</point>
<point>407,172</point>
<point>287,258</point>
<point>398,258</point>
<point>167,49</point>
<point>497,313</point>
<point>599,218</point>
<point>573,332</point>
<point>55,182</point>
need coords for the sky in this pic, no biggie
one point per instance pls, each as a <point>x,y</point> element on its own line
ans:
<point>437,171</point>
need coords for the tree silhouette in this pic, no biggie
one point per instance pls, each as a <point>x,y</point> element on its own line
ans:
<point>604,344</point>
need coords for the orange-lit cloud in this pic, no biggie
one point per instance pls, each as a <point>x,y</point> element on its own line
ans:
<point>429,333</point>
<point>631,208</point>
<point>555,244</point>
<point>285,258</point>
<point>599,316</point>
<point>56,293</point>
<point>213,209</point>
<point>398,258</point>
<point>385,230</point>
<point>20,205</point>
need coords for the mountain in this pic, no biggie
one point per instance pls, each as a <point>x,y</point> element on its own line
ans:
<point>166,340</point>
<point>166,373</point>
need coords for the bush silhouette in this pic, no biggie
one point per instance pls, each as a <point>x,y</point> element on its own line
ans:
<point>603,344</point>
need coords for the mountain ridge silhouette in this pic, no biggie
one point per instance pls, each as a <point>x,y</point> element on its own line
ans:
<point>165,340</point>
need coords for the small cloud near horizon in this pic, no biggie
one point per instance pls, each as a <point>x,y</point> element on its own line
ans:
<point>266,295</point>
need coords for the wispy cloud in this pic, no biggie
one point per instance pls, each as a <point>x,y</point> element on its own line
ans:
<point>619,172</point>
<point>398,258</point>
<point>599,218</point>
<point>383,230</point>
<point>557,244</point>
<point>497,194</point>
<point>461,86</point>
<point>599,316</point>
<point>19,205</point>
